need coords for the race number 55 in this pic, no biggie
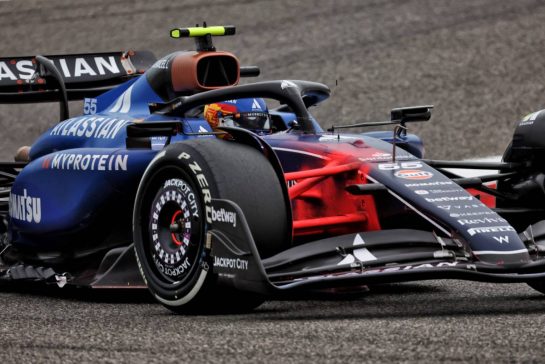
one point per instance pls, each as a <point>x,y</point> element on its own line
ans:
<point>89,106</point>
<point>404,165</point>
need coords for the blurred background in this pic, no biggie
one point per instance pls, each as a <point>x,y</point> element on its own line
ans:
<point>480,62</point>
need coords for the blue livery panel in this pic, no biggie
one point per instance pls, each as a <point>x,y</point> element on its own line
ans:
<point>63,191</point>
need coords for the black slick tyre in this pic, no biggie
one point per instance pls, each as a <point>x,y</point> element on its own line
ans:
<point>169,223</point>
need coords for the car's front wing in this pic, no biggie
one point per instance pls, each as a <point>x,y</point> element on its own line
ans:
<point>352,260</point>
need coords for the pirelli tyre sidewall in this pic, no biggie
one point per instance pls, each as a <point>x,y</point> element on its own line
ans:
<point>197,171</point>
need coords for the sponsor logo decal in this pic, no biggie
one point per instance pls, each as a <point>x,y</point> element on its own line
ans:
<point>25,207</point>
<point>478,213</point>
<point>187,193</point>
<point>486,220</point>
<point>413,174</point>
<point>90,127</point>
<point>502,239</point>
<point>255,105</point>
<point>419,266</point>
<point>223,215</point>
<point>172,271</point>
<point>158,141</point>
<point>381,157</point>
<point>446,191</point>
<point>438,191</point>
<point>454,198</point>
<point>429,184</point>
<point>361,254</point>
<point>336,138</point>
<point>87,162</point>
<point>461,207</point>
<point>489,229</point>
<point>23,69</point>
<point>377,156</point>
<point>231,263</point>
<point>203,184</point>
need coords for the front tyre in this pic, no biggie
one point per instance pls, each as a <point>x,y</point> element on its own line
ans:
<point>170,220</point>
<point>172,234</point>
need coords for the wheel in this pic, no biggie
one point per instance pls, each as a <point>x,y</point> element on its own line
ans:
<point>169,220</point>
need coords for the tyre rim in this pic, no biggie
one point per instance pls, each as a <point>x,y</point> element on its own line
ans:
<point>175,230</point>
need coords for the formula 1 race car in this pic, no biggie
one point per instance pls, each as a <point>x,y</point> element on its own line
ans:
<point>221,218</point>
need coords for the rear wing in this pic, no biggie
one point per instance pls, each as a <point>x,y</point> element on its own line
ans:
<point>26,80</point>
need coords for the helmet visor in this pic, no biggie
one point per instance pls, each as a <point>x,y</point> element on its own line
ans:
<point>252,120</point>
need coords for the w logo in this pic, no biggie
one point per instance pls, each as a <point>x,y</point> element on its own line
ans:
<point>502,239</point>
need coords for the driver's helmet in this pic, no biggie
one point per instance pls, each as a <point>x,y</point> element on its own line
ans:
<point>249,114</point>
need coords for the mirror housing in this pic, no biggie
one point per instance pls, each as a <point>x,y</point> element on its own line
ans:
<point>408,114</point>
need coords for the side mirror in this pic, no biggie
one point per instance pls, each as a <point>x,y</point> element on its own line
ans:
<point>404,115</point>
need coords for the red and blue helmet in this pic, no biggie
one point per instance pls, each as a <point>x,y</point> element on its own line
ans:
<point>249,114</point>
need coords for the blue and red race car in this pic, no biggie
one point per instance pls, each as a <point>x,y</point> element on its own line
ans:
<point>220,218</point>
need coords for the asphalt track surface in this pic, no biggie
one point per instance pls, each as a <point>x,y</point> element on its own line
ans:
<point>437,321</point>
<point>480,62</point>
